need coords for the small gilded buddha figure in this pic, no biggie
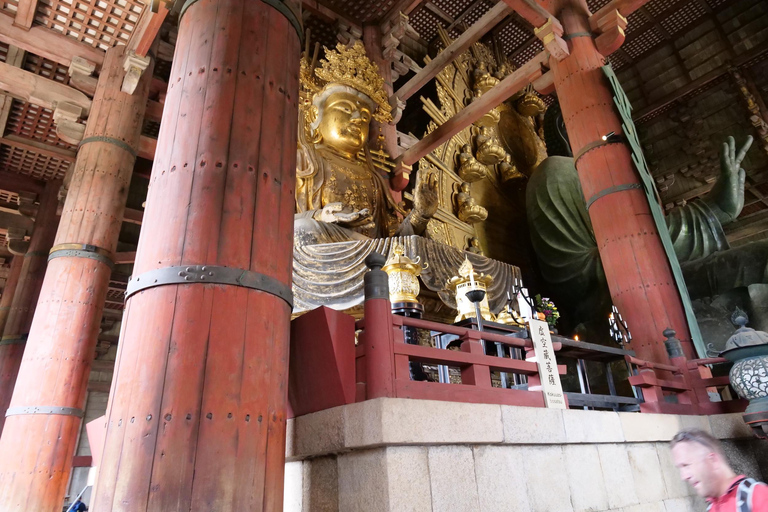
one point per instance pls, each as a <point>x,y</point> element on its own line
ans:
<point>508,170</point>
<point>470,170</point>
<point>340,194</point>
<point>469,211</point>
<point>489,150</point>
<point>474,246</point>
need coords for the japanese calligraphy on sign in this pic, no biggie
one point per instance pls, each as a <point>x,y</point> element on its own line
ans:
<point>545,358</point>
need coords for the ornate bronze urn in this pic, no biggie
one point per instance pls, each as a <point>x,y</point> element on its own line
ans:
<point>748,349</point>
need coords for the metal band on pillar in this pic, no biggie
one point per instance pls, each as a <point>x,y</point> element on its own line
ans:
<point>282,7</point>
<point>45,409</point>
<point>615,139</point>
<point>209,274</point>
<point>111,140</point>
<point>82,251</point>
<point>612,190</point>
<point>568,37</point>
<point>14,339</point>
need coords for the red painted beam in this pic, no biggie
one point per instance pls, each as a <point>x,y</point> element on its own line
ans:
<point>625,8</point>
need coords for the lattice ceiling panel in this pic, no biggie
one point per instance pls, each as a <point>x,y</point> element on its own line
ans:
<point>46,68</point>
<point>99,23</point>
<point>513,36</point>
<point>452,8</point>
<point>714,4</point>
<point>426,22</point>
<point>528,52</point>
<point>34,122</point>
<point>635,22</point>
<point>643,43</point>
<point>9,197</point>
<point>617,60</point>
<point>10,6</point>
<point>657,7</point>
<point>32,164</point>
<point>3,52</point>
<point>361,11</point>
<point>683,17</point>
<point>476,13</point>
<point>595,5</point>
<point>321,32</point>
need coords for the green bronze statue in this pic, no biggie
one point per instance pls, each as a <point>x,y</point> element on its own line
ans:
<point>565,245</point>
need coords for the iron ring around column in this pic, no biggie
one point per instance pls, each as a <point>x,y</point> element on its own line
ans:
<point>187,274</point>
<point>82,251</point>
<point>44,409</point>
<point>614,139</point>
<point>612,190</point>
<point>110,140</point>
<point>14,339</point>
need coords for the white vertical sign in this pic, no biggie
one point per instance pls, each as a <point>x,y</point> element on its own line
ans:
<point>545,358</point>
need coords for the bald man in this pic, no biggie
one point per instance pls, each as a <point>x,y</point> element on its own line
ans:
<point>700,459</point>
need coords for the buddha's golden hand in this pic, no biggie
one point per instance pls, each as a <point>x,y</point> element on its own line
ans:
<point>336,213</point>
<point>425,196</point>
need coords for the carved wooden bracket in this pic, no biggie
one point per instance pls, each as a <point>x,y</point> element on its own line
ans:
<point>67,128</point>
<point>551,34</point>
<point>134,66</point>
<point>81,75</point>
<point>347,34</point>
<point>611,27</point>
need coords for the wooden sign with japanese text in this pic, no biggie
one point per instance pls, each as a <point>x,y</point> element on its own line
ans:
<point>545,358</point>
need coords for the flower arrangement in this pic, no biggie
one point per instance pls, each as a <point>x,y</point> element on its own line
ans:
<point>548,309</point>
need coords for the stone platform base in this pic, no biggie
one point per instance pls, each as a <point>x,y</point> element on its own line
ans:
<point>399,455</point>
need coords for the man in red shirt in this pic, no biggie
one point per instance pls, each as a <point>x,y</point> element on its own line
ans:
<point>700,459</point>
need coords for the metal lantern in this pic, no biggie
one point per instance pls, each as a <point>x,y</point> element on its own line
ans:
<point>403,275</point>
<point>748,349</point>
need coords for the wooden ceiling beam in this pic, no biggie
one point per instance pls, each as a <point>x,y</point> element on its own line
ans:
<point>702,81</point>
<point>39,90</point>
<point>512,84</point>
<point>478,29</point>
<point>463,15</point>
<point>47,43</point>
<point>18,183</point>
<point>531,11</point>
<point>39,148</point>
<point>146,30</point>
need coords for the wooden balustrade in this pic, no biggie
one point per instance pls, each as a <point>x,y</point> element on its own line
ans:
<point>686,391</point>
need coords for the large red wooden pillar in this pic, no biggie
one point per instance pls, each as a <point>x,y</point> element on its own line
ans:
<point>10,288</point>
<point>638,272</point>
<point>196,417</point>
<point>27,292</point>
<point>44,416</point>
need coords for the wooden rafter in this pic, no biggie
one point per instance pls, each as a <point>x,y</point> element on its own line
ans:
<point>464,41</point>
<point>146,30</point>
<point>47,43</point>
<point>512,84</point>
<point>40,91</point>
<point>463,15</point>
<point>401,6</point>
<point>25,14</point>
<point>17,183</point>
<point>625,8</point>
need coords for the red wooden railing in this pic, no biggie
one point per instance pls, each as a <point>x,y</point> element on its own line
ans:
<point>688,381</point>
<point>383,362</point>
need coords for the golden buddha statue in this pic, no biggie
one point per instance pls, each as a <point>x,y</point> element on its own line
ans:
<point>468,210</point>
<point>508,170</point>
<point>340,193</point>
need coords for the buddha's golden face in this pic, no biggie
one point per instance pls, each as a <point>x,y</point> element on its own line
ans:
<point>345,121</point>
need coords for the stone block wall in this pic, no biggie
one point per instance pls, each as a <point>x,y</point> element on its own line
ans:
<point>401,455</point>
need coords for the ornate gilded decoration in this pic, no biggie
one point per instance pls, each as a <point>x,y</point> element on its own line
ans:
<point>470,169</point>
<point>489,150</point>
<point>352,67</point>
<point>403,275</point>
<point>530,105</point>
<point>468,210</point>
<point>468,280</point>
<point>757,117</point>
